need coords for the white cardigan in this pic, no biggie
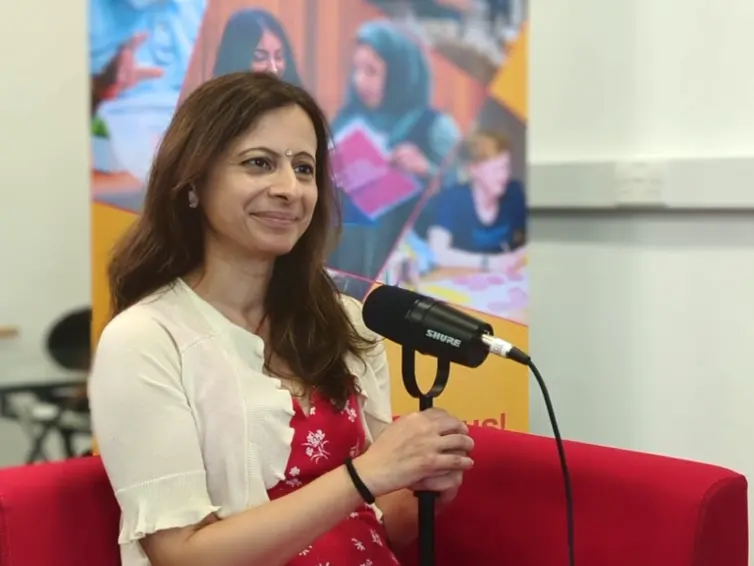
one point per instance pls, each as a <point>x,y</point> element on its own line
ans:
<point>186,422</point>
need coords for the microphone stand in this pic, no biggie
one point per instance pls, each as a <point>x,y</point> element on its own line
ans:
<point>426,498</point>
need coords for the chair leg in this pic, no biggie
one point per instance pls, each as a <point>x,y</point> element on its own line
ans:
<point>37,453</point>
<point>66,437</point>
<point>37,450</point>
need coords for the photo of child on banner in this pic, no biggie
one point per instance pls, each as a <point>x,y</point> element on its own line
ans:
<point>468,244</point>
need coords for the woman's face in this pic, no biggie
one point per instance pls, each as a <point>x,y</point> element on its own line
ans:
<point>269,56</point>
<point>369,76</point>
<point>261,195</point>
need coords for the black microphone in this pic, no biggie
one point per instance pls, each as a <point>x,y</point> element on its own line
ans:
<point>434,328</point>
<point>431,327</point>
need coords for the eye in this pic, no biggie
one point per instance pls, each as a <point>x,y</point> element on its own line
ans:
<point>304,169</point>
<point>259,162</point>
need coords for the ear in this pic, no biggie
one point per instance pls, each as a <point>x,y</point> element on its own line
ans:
<point>193,199</point>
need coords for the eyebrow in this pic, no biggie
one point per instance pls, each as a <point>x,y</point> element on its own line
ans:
<point>270,151</point>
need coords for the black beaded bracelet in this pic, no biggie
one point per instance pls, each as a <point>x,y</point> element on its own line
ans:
<point>360,486</point>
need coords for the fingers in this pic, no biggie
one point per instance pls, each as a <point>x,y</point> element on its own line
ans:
<point>456,444</point>
<point>444,422</point>
<point>141,73</point>
<point>399,159</point>
<point>444,462</point>
<point>136,40</point>
<point>443,482</point>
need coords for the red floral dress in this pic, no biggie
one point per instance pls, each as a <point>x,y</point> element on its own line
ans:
<point>322,440</point>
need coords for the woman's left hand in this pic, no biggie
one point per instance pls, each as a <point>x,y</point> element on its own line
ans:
<point>446,486</point>
<point>410,158</point>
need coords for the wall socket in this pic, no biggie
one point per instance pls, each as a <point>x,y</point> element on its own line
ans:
<point>640,183</point>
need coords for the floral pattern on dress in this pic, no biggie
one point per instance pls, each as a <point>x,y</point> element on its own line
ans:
<point>322,440</point>
<point>315,445</point>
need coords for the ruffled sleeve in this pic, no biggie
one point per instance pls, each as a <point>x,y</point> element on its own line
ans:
<point>373,375</point>
<point>145,429</point>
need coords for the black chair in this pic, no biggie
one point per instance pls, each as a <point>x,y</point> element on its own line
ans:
<point>69,341</point>
<point>53,408</point>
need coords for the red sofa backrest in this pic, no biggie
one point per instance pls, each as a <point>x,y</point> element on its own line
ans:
<point>631,509</point>
<point>60,514</point>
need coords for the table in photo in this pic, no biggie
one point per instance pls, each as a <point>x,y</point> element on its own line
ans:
<point>457,286</point>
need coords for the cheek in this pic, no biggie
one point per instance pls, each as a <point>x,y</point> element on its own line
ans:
<point>218,218</point>
<point>310,202</point>
<point>224,210</point>
<point>378,83</point>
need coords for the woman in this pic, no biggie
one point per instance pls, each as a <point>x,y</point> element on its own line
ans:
<point>390,90</point>
<point>389,95</point>
<point>242,409</point>
<point>255,40</point>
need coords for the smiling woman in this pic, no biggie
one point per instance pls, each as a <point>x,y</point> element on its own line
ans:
<point>241,407</point>
<point>264,195</point>
<point>253,39</point>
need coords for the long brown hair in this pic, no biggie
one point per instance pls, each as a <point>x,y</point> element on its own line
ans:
<point>308,326</point>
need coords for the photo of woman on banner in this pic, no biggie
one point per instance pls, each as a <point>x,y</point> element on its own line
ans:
<point>139,52</point>
<point>253,39</point>
<point>390,143</point>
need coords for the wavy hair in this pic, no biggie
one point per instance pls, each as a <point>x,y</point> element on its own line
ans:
<point>309,327</point>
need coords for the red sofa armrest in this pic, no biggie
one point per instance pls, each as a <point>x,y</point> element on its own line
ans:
<point>61,514</point>
<point>630,508</point>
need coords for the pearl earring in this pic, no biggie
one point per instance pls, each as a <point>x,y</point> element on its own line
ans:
<point>193,199</point>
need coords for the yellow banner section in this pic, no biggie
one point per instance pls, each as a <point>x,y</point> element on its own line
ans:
<point>108,224</point>
<point>510,87</point>
<point>494,394</point>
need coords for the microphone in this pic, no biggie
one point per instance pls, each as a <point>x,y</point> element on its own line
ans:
<point>434,328</point>
<point>431,327</point>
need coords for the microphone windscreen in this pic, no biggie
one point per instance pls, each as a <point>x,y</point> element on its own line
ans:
<point>385,311</point>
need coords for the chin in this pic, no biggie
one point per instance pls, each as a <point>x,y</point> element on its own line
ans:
<point>274,249</point>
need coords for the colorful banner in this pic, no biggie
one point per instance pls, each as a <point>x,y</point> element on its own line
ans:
<point>428,105</point>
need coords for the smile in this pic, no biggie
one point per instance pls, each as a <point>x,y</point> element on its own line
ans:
<point>275,218</point>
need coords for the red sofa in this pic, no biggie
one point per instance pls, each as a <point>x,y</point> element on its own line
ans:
<point>630,509</point>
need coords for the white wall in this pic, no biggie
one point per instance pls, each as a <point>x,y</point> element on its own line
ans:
<point>640,322</point>
<point>643,323</point>
<point>44,182</point>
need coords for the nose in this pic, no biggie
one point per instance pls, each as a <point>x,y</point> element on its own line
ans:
<point>286,184</point>
<point>274,66</point>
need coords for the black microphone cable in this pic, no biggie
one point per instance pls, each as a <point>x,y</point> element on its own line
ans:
<point>521,357</point>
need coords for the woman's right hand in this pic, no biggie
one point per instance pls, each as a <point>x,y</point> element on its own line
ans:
<point>415,447</point>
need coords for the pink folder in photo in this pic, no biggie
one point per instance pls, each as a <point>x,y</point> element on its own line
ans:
<point>367,177</point>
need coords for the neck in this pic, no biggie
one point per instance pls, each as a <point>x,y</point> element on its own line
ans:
<point>235,286</point>
<point>483,199</point>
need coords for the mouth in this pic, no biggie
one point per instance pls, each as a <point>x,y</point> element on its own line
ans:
<point>276,218</point>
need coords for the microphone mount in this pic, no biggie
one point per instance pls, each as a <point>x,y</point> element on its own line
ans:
<point>426,499</point>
